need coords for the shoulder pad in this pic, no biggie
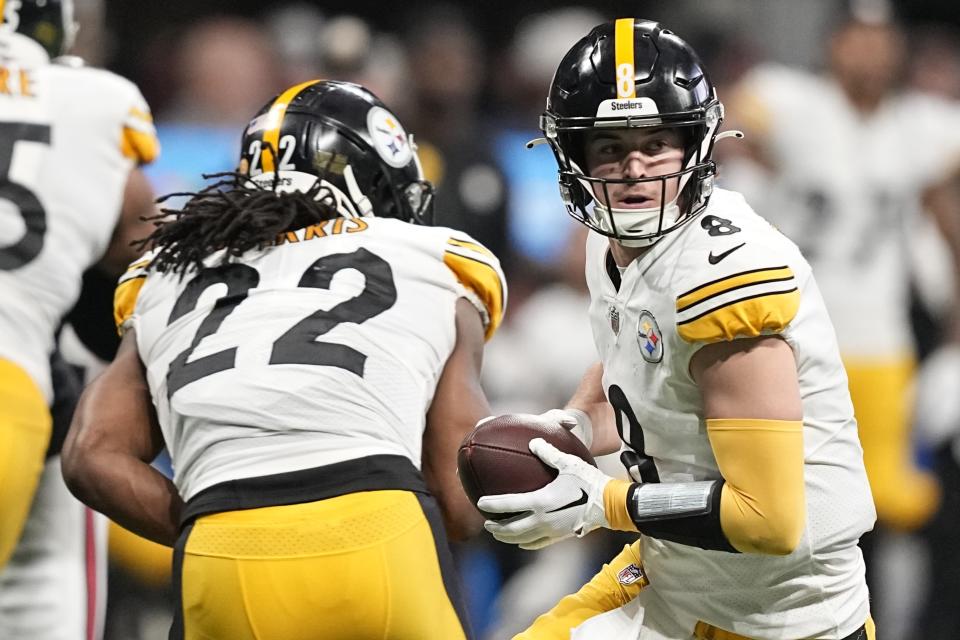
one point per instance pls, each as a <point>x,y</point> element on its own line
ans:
<point>478,270</point>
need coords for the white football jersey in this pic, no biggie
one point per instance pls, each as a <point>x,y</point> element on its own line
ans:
<point>324,348</point>
<point>729,274</point>
<point>69,137</point>
<point>846,188</point>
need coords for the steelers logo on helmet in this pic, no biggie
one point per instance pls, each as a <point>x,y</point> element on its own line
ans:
<point>389,138</point>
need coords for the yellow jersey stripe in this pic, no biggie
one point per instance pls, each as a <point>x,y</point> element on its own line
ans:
<point>734,288</point>
<point>139,146</point>
<point>3,17</point>
<point>623,54</point>
<point>138,264</point>
<point>484,280</point>
<point>745,317</point>
<point>473,246</point>
<point>271,133</point>
<point>728,283</point>
<point>125,299</point>
<point>140,114</point>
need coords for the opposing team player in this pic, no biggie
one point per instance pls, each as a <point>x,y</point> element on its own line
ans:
<point>719,372</point>
<point>308,348</point>
<point>71,139</point>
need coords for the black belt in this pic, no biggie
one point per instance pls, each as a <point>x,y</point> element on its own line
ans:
<point>859,634</point>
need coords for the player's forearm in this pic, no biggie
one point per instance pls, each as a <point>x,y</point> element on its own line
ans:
<point>758,507</point>
<point>128,491</point>
<point>590,399</point>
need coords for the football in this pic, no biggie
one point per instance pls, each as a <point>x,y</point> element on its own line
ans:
<point>495,457</point>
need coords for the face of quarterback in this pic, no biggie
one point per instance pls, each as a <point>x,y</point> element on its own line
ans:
<point>616,154</point>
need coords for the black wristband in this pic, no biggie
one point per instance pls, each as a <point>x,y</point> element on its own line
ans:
<point>698,526</point>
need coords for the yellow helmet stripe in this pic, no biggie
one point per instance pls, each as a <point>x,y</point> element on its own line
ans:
<point>271,133</point>
<point>3,17</point>
<point>623,54</point>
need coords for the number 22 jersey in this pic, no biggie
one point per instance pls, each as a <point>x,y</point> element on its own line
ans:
<point>323,348</point>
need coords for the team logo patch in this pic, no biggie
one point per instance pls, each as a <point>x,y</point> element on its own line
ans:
<point>630,574</point>
<point>389,138</point>
<point>649,338</point>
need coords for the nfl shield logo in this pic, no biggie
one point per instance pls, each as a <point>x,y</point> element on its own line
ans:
<point>630,574</point>
<point>649,338</point>
<point>614,316</point>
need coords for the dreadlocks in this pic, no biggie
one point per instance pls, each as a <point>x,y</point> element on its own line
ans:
<point>234,213</point>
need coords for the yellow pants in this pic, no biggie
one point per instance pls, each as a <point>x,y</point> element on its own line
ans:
<point>905,496</point>
<point>355,567</point>
<point>25,427</point>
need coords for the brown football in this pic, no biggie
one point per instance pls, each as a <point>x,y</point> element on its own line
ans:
<point>495,457</point>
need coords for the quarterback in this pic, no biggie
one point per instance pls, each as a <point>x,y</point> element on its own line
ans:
<point>71,197</point>
<point>719,379</point>
<point>308,349</point>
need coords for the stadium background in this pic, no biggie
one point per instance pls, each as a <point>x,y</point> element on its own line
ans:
<point>469,79</point>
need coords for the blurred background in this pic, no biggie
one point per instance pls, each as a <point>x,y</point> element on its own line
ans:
<point>470,80</point>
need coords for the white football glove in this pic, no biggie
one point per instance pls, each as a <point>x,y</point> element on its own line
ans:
<point>573,420</point>
<point>572,504</point>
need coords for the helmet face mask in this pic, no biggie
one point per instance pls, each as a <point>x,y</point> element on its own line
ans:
<point>339,137</point>
<point>631,75</point>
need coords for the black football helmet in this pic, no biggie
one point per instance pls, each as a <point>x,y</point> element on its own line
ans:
<point>342,135</point>
<point>49,22</point>
<point>624,74</point>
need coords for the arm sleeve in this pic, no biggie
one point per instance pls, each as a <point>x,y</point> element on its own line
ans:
<point>616,584</point>
<point>762,507</point>
<point>478,271</point>
<point>758,507</point>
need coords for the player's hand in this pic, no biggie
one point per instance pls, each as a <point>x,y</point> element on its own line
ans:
<point>572,504</point>
<point>573,420</point>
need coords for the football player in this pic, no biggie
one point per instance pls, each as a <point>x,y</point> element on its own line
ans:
<point>847,158</point>
<point>308,348</point>
<point>71,139</point>
<point>719,377</point>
